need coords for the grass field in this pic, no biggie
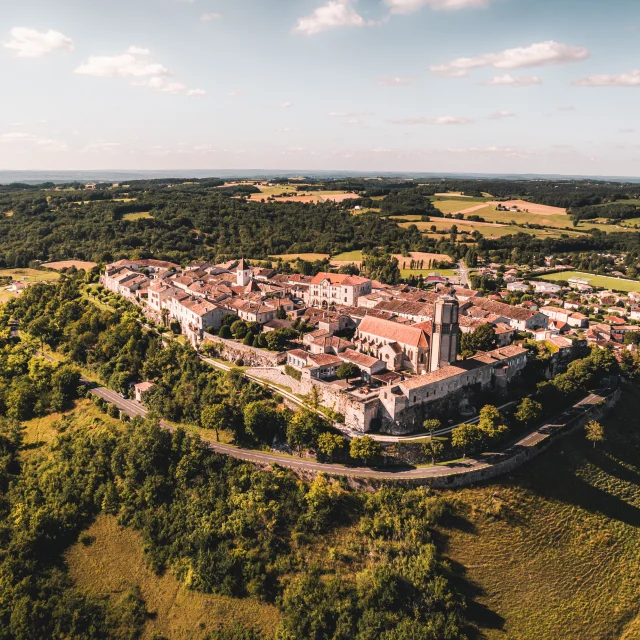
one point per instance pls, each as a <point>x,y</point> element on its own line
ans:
<point>278,192</point>
<point>608,282</point>
<point>553,551</point>
<point>407,273</point>
<point>6,295</point>
<point>140,215</point>
<point>29,275</point>
<point>348,256</point>
<point>311,257</point>
<point>455,205</point>
<point>114,562</point>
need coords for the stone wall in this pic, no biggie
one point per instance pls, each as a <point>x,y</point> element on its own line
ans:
<point>250,356</point>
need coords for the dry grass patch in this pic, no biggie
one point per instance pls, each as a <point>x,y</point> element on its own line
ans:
<point>140,215</point>
<point>310,257</point>
<point>65,264</point>
<point>418,256</point>
<point>531,207</point>
<point>114,562</point>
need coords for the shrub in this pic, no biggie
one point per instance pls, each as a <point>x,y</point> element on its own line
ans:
<point>225,332</point>
<point>293,372</point>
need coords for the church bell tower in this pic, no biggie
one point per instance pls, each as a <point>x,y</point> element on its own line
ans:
<point>243,273</point>
<point>445,334</point>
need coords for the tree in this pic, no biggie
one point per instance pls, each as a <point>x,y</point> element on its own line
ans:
<point>528,411</point>
<point>431,425</point>
<point>594,432</point>
<point>281,314</point>
<point>175,327</point>
<point>262,421</point>
<point>303,429</point>
<point>331,443</point>
<point>225,332</point>
<point>489,423</point>
<point>239,329</point>
<point>214,417</point>
<point>465,436</point>
<point>348,370</point>
<point>433,449</point>
<point>481,339</point>
<point>364,448</point>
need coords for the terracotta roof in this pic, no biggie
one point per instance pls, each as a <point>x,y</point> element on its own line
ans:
<point>333,278</point>
<point>358,358</point>
<point>393,331</point>
<point>323,359</point>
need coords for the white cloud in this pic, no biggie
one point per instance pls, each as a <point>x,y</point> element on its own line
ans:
<point>336,13</point>
<point>29,43</point>
<point>508,152</point>
<point>236,93</point>
<point>135,63</point>
<point>285,105</point>
<point>499,115</point>
<point>349,114</point>
<point>209,17</point>
<point>353,121</point>
<point>124,65</point>
<point>442,120</point>
<point>395,81</point>
<point>512,81</point>
<point>628,79</point>
<point>283,130</point>
<point>409,6</point>
<point>103,147</point>
<point>538,54</point>
<point>30,138</point>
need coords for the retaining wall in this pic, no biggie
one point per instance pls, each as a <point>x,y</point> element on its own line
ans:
<point>250,356</point>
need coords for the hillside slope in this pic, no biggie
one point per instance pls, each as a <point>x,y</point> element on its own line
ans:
<point>554,550</point>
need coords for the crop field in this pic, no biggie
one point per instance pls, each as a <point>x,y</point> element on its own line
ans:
<point>288,193</point>
<point>458,205</point>
<point>65,264</point>
<point>608,282</point>
<point>310,257</point>
<point>140,215</point>
<point>28,275</point>
<point>420,256</point>
<point>552,551</point>
<point>112,560</point>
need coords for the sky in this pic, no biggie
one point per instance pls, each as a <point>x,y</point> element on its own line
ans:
<point>487,86</point>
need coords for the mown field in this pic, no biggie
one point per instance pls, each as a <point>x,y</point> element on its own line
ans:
<point>608,282</point>
<point>141,215</point>
<point>554,550</point>
<point>30,275</point>
<point>310,257</point>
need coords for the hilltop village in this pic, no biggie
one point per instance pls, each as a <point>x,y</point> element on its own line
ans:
<point>399,346</point>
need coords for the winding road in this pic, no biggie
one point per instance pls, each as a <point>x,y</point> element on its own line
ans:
<point>133,408</point>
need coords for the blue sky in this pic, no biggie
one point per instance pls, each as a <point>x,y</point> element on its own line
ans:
<point>536,86</point>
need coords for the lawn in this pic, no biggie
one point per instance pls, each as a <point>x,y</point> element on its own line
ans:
<point>29,275</point>
<point>140,215</point>
<point>310,257</point>
<point>608,282</point>
<point>114,561</point>
<point>552,550</point>
<point>348,256</point>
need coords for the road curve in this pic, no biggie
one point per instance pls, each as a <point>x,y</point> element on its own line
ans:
<point>133,408</point>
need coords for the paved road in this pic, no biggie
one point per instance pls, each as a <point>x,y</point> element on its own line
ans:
<point>133,408</point>
<point>464,274</point>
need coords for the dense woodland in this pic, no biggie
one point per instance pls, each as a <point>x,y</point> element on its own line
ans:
<point>193,219</point>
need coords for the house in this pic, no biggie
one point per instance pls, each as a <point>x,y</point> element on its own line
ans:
<point>634,314</point>
<point>545,287</point>
<point>140,388</point>
<point>328,289</point>
<point>313,365</point>
<point>519,318</point>
<point>368,365</point>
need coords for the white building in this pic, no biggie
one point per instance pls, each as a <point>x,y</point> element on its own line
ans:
<point>337,288</point>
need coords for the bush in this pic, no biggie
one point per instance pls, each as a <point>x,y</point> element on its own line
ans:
<point>293,372</point>
<point>225,332</point>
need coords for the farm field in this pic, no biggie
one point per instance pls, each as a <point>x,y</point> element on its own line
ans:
<point>310,257</point>
<point>140,215</point>
<point>458,205</point>
<point>6,295</point>
<point>608,282</point>
<point>65,264</point>
<point>29,275</point>
<point>420,255</point>
<point>348,256</point>
<point>114,562</point>
<point>278,192</point>
<point>552,551</point>
<point>486,229</point>
<point>530,207</point>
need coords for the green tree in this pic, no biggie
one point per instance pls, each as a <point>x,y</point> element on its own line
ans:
<point>433,449</point>
<point>364,448</point>
<point>303,429</point>
<point>348,370</point>
<point>528,411</point>
<point>331,443</point>
<point>432,424</point>
<point>225,332</point>
<point>262,421</point>
<point>239,329</point>
<point>481,339</point>
<point>465,436</point>
<point>214,418</point>
<point>594,432</point>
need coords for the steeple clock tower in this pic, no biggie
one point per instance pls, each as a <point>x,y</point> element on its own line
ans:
<point>243,273</point>
<point>445,334</point>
